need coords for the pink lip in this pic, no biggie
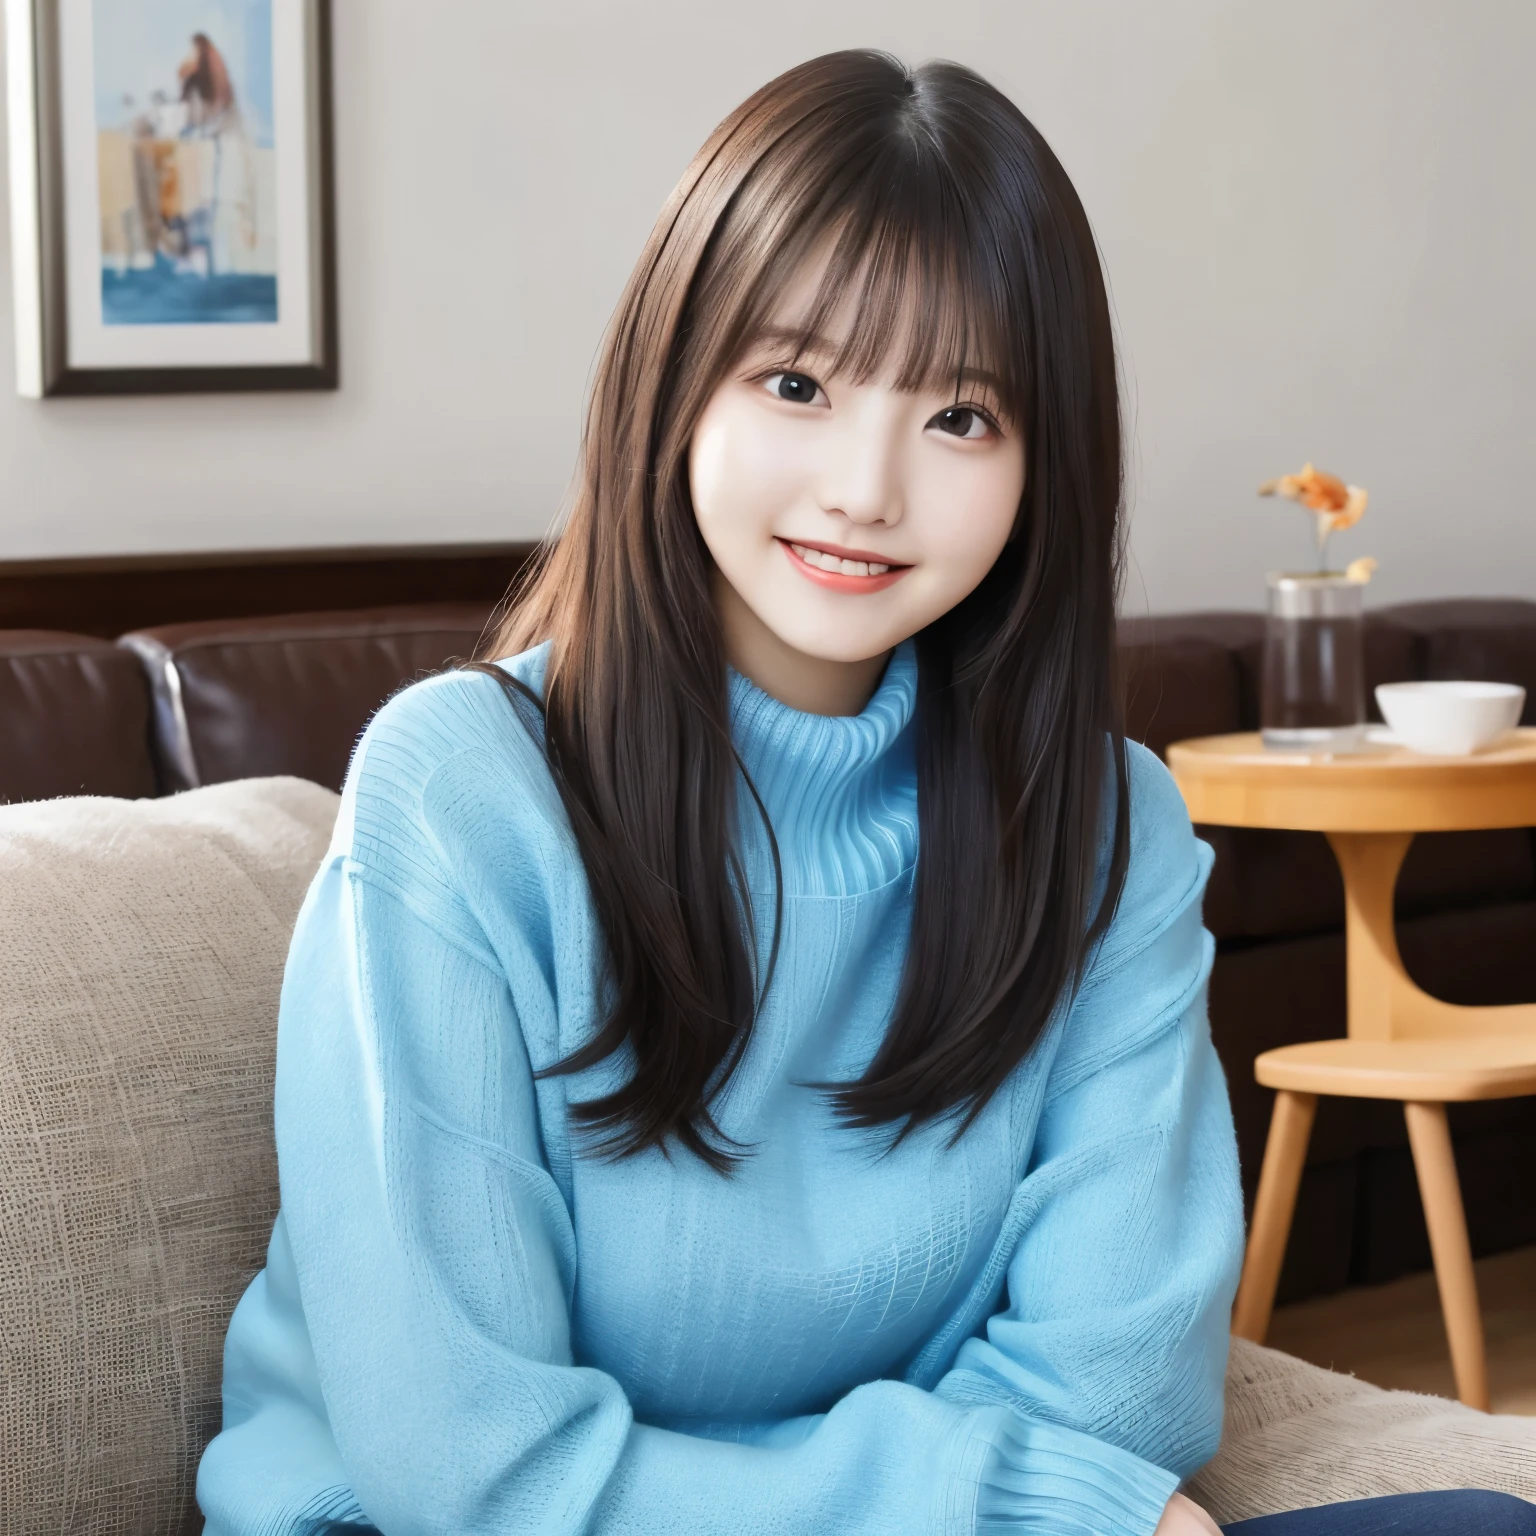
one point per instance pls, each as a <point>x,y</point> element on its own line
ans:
<point>845,554</point>
<point>837,580</point>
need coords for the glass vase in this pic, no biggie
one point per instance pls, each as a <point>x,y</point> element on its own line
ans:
<point>1313,691</point>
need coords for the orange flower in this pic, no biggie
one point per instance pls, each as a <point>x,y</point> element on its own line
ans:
<point>1326,495</point>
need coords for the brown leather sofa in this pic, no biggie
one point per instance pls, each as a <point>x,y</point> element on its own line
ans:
<point>198,703</point>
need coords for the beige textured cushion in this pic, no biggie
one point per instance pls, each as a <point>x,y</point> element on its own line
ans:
<point>1297,1435</point>
<point>141,951</point>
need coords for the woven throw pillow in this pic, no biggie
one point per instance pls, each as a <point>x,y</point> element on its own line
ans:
<point>142,952</point>
<point>1296,1435</point>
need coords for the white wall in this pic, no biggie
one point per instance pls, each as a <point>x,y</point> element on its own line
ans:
<point>1318,216</point>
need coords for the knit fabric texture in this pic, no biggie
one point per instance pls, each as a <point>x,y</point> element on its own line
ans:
<point>141,948</point>
<point>469,1324</point>
<point>1297,1436</point>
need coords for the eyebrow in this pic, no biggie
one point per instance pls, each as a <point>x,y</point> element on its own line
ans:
<point>813,343</point>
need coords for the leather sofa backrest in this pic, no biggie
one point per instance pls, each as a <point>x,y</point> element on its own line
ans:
<point>74,718</point>
<point>289,694</point>
<point>1491,639</point>
<point>1184,675</point>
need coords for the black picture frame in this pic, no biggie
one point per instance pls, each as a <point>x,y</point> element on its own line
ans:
<point>39,231</point>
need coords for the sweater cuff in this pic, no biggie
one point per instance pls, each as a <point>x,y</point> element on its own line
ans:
<point>1046,1477</point>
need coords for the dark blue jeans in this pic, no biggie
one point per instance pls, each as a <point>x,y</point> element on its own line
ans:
<point>1445,1512</point>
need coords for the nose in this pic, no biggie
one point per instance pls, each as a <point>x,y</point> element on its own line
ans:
<point>862,475</point>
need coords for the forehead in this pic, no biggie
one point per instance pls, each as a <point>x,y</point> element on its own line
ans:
<point>885,312</point>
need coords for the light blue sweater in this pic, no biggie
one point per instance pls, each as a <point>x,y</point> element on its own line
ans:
<point>465,1326</point>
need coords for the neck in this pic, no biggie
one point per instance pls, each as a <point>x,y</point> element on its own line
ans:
<point>814,684</point>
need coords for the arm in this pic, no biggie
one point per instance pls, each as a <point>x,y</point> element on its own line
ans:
<point>1121,1284</point>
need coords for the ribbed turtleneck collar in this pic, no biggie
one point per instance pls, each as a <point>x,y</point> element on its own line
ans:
<point>841,790</point>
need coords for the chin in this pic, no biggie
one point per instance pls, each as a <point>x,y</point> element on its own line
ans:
<point>840,646</point>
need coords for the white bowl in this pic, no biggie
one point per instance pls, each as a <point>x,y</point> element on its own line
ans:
<point>1450,719</point>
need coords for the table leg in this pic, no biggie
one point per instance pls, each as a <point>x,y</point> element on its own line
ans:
<point>1290,1128</point>
<point>1369,862</point>
<point>1384,1001</point>
<point>1430,1138</point>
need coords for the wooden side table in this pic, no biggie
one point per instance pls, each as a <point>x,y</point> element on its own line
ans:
<point>1402,1043</point>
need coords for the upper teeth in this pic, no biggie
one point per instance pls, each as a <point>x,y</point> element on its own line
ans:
<point>824,562</point>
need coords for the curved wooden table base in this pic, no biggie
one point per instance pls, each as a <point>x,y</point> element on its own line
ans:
<point>1402,1043</point>
<point>1384,1002</point>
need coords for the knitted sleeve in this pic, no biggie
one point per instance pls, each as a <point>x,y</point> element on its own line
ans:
<point>1120,1287</point>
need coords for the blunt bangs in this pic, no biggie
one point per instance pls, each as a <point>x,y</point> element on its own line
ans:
<point>916,245</point>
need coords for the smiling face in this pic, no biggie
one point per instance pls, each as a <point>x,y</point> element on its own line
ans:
<point>843,515</point>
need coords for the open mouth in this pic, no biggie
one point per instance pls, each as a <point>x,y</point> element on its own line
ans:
<point>839,570</point>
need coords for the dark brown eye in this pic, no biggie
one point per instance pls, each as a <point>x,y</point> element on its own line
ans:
<point>798,388</point>
<point>961,421</point>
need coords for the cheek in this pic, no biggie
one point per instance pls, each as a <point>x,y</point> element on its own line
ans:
<point>967,506</point>
<point>741,471</point>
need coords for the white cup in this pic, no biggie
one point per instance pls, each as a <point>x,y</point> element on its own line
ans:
<point>1450,719</point>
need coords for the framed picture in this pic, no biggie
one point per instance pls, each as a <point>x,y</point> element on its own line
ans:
<point>172,216</point>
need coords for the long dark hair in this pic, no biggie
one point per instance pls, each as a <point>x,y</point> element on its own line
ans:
<point>953,226</point>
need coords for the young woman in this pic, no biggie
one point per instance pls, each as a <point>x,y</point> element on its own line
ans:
<point>743,1065</point>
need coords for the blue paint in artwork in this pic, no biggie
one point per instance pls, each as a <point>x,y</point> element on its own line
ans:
<point>160,295</point>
